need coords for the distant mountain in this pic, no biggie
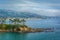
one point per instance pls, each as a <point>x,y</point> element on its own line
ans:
<point>11,13</point>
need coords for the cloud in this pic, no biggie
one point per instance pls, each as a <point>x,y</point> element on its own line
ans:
<point>33,7</point>
<point>38,8</point>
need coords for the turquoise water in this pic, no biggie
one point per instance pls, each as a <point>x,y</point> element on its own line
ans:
<point>46,23</point>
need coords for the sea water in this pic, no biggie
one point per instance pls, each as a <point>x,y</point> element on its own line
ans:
<point>41,23</point>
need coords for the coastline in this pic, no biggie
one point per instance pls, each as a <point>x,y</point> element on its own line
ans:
<point>18,25</point>
<point>30,30</point>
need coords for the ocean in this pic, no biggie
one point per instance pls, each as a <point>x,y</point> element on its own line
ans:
<point>39,23</point>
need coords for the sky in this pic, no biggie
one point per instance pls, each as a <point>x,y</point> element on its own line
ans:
<point>41,7</point>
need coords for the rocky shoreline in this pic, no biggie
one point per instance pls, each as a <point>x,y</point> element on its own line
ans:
<point>37,30</point>
<point>30,30</point>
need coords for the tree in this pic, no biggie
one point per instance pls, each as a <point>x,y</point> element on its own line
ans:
<point>10,21</point>
<point>2,23</point>
<point>23,21</point>
<point>2,20</point>
<point>16,21</point>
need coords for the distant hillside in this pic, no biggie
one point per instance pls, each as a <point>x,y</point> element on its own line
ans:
<point>11,13</point>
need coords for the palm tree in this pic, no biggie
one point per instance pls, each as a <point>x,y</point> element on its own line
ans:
<point>10,21</point>
<point>23,21</point>
<point>16,21</point>
<point>2,21</point>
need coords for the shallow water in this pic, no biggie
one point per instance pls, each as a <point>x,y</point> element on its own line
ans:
<point>43,23</point>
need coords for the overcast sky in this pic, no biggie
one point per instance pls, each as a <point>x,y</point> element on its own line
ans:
<point>41,7</point>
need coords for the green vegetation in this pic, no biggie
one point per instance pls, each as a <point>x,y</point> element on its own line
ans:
<point>14,24</point>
